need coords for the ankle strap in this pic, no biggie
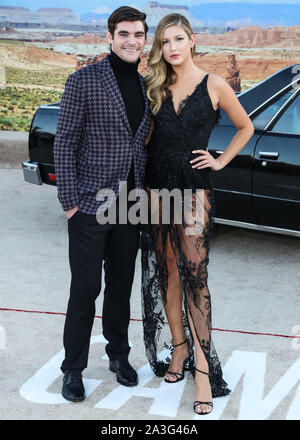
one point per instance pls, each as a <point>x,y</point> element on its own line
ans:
<point>180,343</point>
<point>201,371</point>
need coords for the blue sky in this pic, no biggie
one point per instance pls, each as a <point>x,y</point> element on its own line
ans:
<point>81,7</point>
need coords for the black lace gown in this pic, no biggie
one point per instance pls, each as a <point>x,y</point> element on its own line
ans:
<point>173,139</point>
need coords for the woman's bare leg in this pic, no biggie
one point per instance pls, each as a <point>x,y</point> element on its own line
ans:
<point>173,310</point>
<point>195,248</point>
<point>203,389</point>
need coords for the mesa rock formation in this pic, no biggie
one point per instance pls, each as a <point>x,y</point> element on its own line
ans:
<point>254,36</point>
<point>243,56</point>
<point>233,73</point>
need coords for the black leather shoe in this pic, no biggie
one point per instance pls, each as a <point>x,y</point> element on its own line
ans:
<point>126,375</point>
<point>73,388</point>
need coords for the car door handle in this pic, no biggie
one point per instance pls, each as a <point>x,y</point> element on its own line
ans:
<point>268,154</point>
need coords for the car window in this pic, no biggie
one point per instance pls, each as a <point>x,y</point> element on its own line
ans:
<point>262,119</point>
<point>290,120</point>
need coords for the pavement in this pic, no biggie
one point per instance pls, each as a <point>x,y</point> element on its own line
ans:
<point>254,281</point>
<point>13,148</point>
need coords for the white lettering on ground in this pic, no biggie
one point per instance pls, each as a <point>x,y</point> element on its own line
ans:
<point>2,338</point>
<point>250,367</point>
<point>35,389</point>
<point>166,398</point>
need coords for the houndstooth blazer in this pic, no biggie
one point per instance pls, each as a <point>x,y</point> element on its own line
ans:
<point>94,144</point>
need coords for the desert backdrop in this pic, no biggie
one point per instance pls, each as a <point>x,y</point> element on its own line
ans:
<point>34,64</point>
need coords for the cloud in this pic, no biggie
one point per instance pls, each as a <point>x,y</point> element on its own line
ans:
<point>102,10</point>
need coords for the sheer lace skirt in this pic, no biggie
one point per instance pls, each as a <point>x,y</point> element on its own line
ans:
<point>187,236</point>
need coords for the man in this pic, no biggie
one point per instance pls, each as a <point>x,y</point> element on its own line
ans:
<point>103,122</point>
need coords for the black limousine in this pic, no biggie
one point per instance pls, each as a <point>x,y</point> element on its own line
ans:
<point>260,188</point>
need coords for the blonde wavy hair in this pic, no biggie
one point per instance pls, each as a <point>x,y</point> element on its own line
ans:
<point>161,74</point>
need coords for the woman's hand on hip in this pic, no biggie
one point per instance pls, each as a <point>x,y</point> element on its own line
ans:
<point>205,160</point>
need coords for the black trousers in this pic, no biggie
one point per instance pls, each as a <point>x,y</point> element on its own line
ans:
<point>91,244</point>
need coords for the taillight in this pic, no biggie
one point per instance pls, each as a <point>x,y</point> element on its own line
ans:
<point>52,176</point>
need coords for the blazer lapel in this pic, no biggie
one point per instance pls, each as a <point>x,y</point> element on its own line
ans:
<point>111,86</point>
<point>144,119</point>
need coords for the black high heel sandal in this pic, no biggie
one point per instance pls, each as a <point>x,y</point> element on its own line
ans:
<point>199,402</point>
<point>188,359</point>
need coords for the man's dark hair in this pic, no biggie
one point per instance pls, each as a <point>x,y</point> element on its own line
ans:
<point>125,13</point>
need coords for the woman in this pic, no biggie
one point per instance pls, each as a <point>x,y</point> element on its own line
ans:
<point>185,102</point>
